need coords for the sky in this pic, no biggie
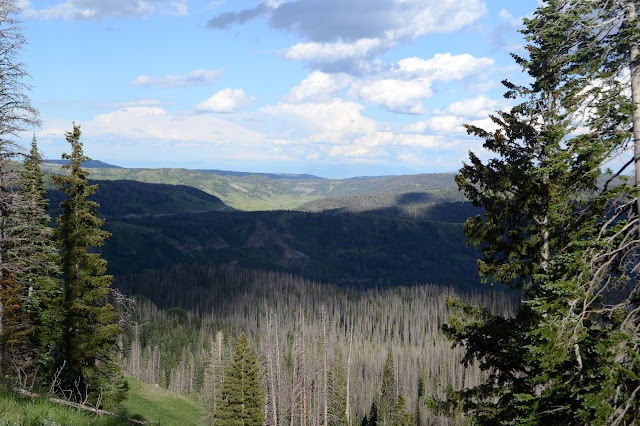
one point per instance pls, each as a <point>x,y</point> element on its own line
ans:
<point>334,88</point>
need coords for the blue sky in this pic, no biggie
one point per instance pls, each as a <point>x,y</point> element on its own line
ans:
<point>335,88</point>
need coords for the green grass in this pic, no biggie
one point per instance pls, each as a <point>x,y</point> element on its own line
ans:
<point>161,406</point>
<point>146,402</point>
<point>25,411</point>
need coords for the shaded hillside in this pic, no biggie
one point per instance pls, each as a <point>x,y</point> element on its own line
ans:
<point>345,249</point>
<point>124,198</point>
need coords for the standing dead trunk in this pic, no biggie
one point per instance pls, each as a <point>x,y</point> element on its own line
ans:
<point>348,398</point>
<point>634,57</point>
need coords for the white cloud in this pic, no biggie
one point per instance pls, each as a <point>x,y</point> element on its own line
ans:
<point>337,34</point>
<point>157,123</point>
<point>447,67</point>
<point>85,10</point>
<point>318,87</point>
<point>226,100</point>
<point>411,81</point>
<point>335,121</point>
<point>480,106</point>
<point>199,77</point>
<point>332,52</point>
<point>452,124</point>
<point>404,96</point>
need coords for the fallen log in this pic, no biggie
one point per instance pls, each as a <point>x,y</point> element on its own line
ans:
<point>78,406</point>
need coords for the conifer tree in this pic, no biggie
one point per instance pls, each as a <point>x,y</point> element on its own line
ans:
<point>89,323</point>
<point>34,256</point>
<point>388,389</point>
<point>242,398</point>
<point>570,355</point>
<point>399,414</point>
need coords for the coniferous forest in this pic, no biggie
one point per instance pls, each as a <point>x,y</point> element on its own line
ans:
<point>508,297</point>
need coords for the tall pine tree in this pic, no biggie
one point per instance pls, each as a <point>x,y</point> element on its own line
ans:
<point>242,398</point>
<point>34,258</point>
<point>570,355</point>
<point>89,324</point>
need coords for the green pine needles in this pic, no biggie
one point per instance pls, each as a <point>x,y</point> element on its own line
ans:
<point>89,324</point>
<point>559,229</point>
<point>241,400</point>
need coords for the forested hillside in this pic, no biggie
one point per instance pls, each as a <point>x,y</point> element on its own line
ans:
<point>345,249</point>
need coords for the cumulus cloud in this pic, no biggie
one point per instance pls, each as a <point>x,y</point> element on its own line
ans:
<point>447,67</point>
<point>318,87</point>
<point>86,10</point>
<point>448,124</point>
<point>157,123</point>
<point>338,31</point>
<point>410,82</point>
<point>480,106</point>
<point>226,100</point>
<point>337,120</point>
<point>337,129</point>
<point>331,52</point>
<point>334,20</point>
<point>405,96</point>
<point>199,77</point>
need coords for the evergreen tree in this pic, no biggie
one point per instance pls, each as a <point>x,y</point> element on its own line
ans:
<point>242,399</point>
<point>387,389</point>
<point>34,256</point>
<point>399,414</point>
<point>89,324</point>
<point>570,355</point>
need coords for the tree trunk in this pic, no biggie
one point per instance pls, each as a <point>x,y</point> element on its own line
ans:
<point>634,53</point>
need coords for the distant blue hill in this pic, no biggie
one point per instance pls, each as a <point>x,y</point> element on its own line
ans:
<point>91,164</point>
<point>269,175</point>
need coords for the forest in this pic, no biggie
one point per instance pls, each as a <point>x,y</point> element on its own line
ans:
<point>505,294</point>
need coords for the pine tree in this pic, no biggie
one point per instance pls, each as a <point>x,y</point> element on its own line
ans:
<point>89,324</point>
<point>242,398</point>
<point>399,414</point>
<point>570,355</point>
<point>387,389</point>
<point>34,257</point>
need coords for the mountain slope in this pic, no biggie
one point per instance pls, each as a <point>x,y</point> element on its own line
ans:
<point>345,249</point>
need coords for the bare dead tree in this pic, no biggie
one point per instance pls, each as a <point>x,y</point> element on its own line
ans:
<point>16,116</point>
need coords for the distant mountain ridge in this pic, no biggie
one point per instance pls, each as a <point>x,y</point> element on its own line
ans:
<point>252,192</point>
<point>90,164</point>
<point>269,175</point>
